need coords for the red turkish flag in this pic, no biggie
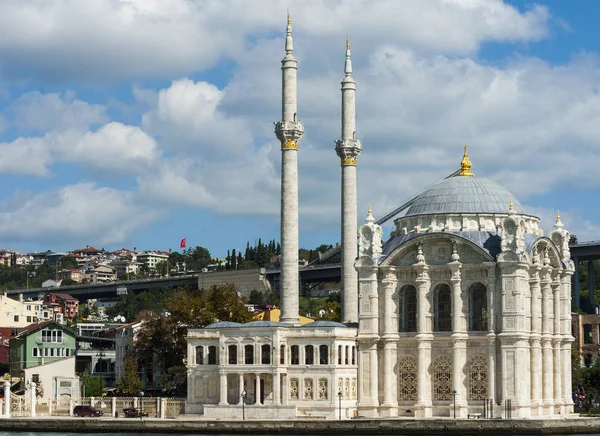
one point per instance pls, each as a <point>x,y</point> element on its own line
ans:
<point>182,243</point>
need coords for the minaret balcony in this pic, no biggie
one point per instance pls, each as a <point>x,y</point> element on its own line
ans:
<point>289,131</point>
<point>348,148</point>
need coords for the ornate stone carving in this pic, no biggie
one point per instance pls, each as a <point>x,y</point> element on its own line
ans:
<point>407,383</point>
<point>293,388</point>
<point>478,378</point>
<point>323,389</point>
<point>442,379</point>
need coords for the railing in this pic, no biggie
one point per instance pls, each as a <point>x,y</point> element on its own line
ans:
<point>155,407</point>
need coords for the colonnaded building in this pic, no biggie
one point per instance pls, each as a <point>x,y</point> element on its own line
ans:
<point>467,300</point>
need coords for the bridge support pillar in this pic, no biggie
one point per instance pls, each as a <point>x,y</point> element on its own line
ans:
<point>591,284</point>
<point>576,283</point>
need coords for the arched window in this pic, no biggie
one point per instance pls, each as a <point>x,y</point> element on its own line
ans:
<point>339,354</point>
<point>212,355</point>
<point>407,383</point>
<point>408,309</point>
<point>443,309</point>
<point>323,355</point>
<point>249,354</point>
<point>232,352</point>
<point>346,355</point>
<point>478,307</point>
<point>265,354</point>
<point>353,355</point>
<point>478,378</point>
<point>309,355</point>
<point>282,354</point>
<point>442,379</point>
<point>199,355</point>
<point>295,355</point>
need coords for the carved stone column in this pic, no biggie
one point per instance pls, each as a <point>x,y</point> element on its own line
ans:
<point>536,348</point>
<point>241,388</point>
<point>222,388</point>
<point>424,337</point>
<point>276,389</point>
<point>567,338</point>
<point>491,348</point>
<point>547,354</point>
<point>390,342</point>
<point>459,335</point>
<point>557,341</point>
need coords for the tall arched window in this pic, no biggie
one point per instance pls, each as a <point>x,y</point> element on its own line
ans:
<point>442,379</point>
<point>309,355</point>
<point>346,355</point>
<point>353,355</point>
<point>265,354</point>
<point>323,354</point>
<point>199,355</point>
<point>282,354</point>
<point>478,307</point>
<point>232,351</point>
<point>408,309</point>
<point>295,357</point>
<point>249,354</point>
<point>442,308</point>
<point>212,355</point>
<point>478,378</point>
<point>407,383</point>
<point>339,354</point>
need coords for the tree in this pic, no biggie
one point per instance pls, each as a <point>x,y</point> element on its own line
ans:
<point>131,382</point>
<point>161,340</point>
<point>94,385</point>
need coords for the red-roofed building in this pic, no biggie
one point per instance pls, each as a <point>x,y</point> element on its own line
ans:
<point>62,303</point>
<point>87,251</point>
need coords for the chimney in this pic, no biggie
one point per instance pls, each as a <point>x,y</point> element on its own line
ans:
<point>21,298</point>
<point>135,249</point>
<point>87,246</point>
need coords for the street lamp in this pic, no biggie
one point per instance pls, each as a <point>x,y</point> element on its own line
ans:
<point>454,393</point>
<point>340,402</point>
<point>243,395</point>
<point>141,404</point>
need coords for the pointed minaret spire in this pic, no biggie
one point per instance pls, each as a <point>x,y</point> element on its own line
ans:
<point>558,224</point>
<point>289,42</point>
<point>348,66</point>
<point>348,148</point>
<point>289,131</point>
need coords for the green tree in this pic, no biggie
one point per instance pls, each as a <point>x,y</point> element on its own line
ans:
<point>94,385</point>
<point>161,338</point>
<point>131,382</point>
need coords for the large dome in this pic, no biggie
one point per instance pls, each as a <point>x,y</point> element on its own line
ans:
<point>464,194</point>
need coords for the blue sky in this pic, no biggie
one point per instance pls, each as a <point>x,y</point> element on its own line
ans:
<point>136,124</point>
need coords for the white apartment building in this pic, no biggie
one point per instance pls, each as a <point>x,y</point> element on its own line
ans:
<point>152,258</point>
<point>19,313</point>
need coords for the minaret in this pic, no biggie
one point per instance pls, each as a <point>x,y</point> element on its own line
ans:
<point>289,131</point>
<point>348,148</point>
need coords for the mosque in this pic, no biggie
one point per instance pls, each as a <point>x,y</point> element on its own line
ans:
<point>466,301</point>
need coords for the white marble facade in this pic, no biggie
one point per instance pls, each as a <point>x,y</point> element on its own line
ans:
<point>285,371</point>
<point>484,312</point>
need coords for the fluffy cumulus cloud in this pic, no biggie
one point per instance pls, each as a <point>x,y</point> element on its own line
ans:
<point>422,93</point>
<point>113,148</point>
<point>123,38</point>
<point>72,212</point>
<point>38,112</point>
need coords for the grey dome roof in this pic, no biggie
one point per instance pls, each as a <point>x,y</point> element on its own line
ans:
<point>324,324</point>
<point>464,194</point>
<point>223,324</point>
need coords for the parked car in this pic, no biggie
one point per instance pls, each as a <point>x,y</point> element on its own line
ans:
<point>132,412</point>
<point>86,411</point>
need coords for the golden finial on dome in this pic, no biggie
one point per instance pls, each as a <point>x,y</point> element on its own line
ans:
<point>558,215</point>
<point>347,43</point>
<point>369,212</point>
<point>510,204</point>
<point>289,19</point>
<point>465,165</point>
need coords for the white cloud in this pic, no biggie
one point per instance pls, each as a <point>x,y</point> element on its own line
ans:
<point>112,148</point>
<point>39,112</point>
<point>187,115</point>
<point>70,38</point>
<point>81,211</point>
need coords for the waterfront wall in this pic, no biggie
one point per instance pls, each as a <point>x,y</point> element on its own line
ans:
<point>312,427</point>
